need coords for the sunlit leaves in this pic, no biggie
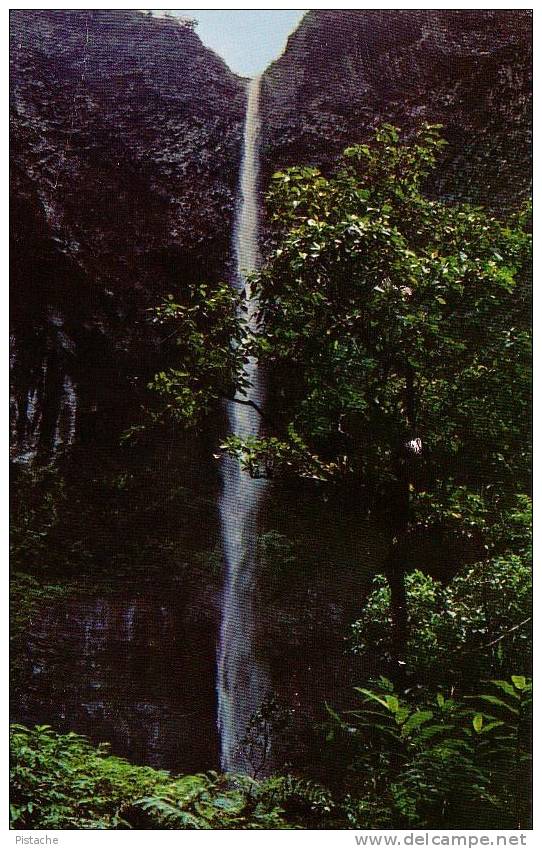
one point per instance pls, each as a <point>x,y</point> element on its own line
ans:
<point>209,328</point>
<point>371,282</point>
<point>62,781</point>
<point>421,760</point>
<point>384,315</point>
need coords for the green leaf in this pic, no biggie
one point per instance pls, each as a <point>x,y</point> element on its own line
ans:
<point>495,701</point>
<point>477,722</point>
<point>491,725</point>
<point>506,687</point>
<point>372,696</point>
<point>416,719</point>
<point>392,703</point>
<point>402,715</point>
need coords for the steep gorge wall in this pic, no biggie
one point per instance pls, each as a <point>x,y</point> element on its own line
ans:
<point>125,147</point>
<point>344,72</point>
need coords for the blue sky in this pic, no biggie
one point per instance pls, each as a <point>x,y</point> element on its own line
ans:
<point>247,39</point>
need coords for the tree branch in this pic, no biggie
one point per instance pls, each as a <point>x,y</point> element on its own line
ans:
<point>498,639</point>
<point>247,403</point>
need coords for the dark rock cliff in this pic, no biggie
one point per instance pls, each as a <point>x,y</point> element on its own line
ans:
<point>125,144</point>
<point>344,72</point>
<point>125,150</point>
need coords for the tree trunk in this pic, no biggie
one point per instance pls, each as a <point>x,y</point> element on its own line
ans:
<point>399,616</point>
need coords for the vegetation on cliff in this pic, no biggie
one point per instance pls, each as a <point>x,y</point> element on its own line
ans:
<point>396,330</point>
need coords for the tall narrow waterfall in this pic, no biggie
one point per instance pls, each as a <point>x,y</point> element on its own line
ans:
<point>241,681</point>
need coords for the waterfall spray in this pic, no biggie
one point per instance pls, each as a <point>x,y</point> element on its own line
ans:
<point>242,682</point>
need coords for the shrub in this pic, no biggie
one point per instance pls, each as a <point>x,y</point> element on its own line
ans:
<point>477,625</point>
<point>439,762</point>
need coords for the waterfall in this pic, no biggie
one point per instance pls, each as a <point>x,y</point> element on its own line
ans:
<point>30,415</point>
<point>242,681</point>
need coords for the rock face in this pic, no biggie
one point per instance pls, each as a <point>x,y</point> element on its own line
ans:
<point>122,666</point>
<point>345,72</point>
<point>125,150</point>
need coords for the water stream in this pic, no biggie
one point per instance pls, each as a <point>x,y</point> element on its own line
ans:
<point>242,681</point>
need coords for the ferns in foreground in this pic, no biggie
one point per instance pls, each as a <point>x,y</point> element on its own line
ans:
<point>62,781</point>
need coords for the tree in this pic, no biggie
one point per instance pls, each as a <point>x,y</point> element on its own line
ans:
<point>396,332</point>
<point>401,317</point>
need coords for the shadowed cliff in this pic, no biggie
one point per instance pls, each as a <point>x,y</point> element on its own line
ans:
<point>344,72</point>
<point>125,144</point>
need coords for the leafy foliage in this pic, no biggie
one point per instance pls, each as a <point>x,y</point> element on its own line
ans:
<point>209,330</point>
<point>61,781</point>
<point>276,556</point>
<point>37,499</point>
<point>263,730</point>
<point>400,317</point>
<point>28,596</point>
<point>437,763</point>
<point>386,319</point>
<point>477,625</point>
<point>425,761</point>
<point>479,622</point>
